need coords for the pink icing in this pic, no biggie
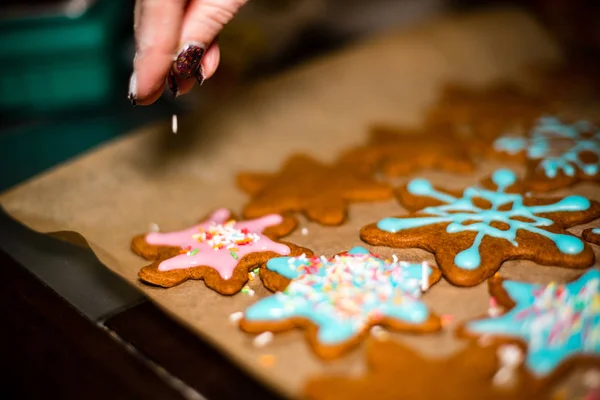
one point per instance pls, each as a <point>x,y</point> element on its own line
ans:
<point>222,260</point>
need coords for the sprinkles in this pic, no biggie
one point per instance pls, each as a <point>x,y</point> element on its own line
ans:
<point>556,321</point>
<point>223,237</point>
<point>345,294</point>
<point>248,290</point>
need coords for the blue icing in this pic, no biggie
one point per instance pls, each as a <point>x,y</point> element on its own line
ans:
<point>596,231</point>
<point>511,145</point>
<point>358,250</point>
<point>556,321</point>
<point>504,178</point>
<point>458,211</point>
<point>345,293</point>
<point>558,146</point>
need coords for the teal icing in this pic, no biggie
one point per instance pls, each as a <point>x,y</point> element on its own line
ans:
<point>345,293</point>
<point>511,145</point>
<point>556,321</point>
<point>458,211</point>
<point>596,231</point>
<point>558,146</point>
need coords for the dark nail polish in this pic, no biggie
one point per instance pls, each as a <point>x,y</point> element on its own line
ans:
<point>188,60</point>
<point>132,99</point>
<point>172,83</point>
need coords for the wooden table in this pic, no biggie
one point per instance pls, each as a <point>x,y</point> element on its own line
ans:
<point>50,350</point>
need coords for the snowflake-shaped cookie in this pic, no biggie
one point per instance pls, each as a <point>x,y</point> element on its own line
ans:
<point>471,235</point>
<point>557,154</point>
<point>558,322</point>
<point>338,299</point>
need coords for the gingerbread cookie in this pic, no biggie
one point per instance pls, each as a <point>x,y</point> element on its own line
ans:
<point>486,113</point>
<point>557,154</point>
<point>322,192</point>
<point>397,152</point>
<point>397,372</point>
<point>592,235</point>
<point>472,234</point>
<point>336,300</point>
<point>220,251</point>
<point>559,323</point>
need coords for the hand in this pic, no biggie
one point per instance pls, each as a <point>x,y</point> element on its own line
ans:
<point>176,41</point>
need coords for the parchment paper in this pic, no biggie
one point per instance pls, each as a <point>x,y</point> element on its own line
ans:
<point>153,176</point>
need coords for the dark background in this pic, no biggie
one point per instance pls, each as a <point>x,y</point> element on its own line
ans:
<point>65,65</point>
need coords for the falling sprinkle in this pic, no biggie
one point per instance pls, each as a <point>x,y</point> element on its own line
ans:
<point>267,360</point>
<point>153,227</point>
<point>236,316</point>
<point>256,271</point>
<point>174,124</point>
<point>194,252</point>
<point>263,339</point>
<point>233,254</point>
<point>304,231</point>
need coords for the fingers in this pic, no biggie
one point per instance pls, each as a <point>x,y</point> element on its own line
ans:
<point>202,23</point>
<point>181,27</point>
<point>158,27</point>
<point>206,18</point>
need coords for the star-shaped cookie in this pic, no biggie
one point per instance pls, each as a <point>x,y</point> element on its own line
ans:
<point>219,251</point>
<point>336,300</point>
<point>559,323</point>
<point>485,113</point>
<point>397,372</point>
<point>322,192</point>
<point>557,154</point>
<point>473,233</point>
<point>397,152</point>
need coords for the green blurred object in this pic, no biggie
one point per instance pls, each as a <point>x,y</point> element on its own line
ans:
<point>64,72</point>
<point>57,61</point>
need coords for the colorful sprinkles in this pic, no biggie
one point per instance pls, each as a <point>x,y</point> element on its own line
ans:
<point>556,320</point>
<point>346,293</point>
<point>223,237</point>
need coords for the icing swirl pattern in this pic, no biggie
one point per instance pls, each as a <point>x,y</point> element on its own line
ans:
<point>509,209</point>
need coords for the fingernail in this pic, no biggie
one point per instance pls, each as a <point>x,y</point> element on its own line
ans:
<point>200,74</point>
<point>188,60</point>
<point>133,89</point>
<point>172,83</point>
